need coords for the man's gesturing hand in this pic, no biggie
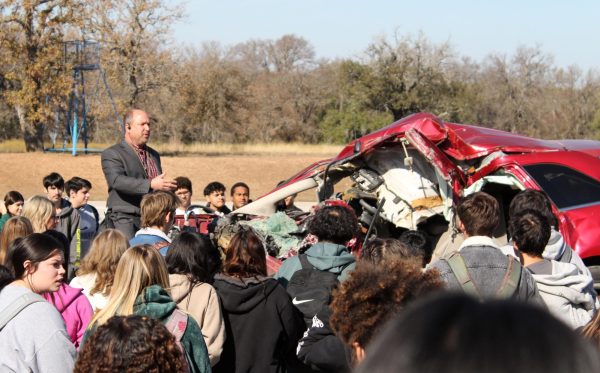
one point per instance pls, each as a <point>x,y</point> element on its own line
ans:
<point>162,183</point>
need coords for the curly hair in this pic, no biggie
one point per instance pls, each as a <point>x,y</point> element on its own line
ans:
<point>455,333</point>
<point>374,293</point>
<point>214,186</point>
<point>130,344</point>
<point>335,224</point>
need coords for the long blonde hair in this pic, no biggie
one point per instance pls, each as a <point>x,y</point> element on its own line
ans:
<point>15,227</point>
<point>102,259</point>
<point>139,267</point>
<point>39,210</point>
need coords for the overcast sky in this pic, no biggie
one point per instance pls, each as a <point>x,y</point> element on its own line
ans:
<point>568,30</point>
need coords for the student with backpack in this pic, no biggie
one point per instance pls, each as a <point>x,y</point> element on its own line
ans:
<point>479,268</point>
<point>310,277</point>
<point>192,261</point>
<point>569,294</point>
<point>396,268</point>
<point>556,248</point>
<point>262,326</point>
<point>68,217</point>
<point>140,288</point>
<point>32,333</point>
<point>78,190</point>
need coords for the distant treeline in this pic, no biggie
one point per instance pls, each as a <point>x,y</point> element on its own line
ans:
<point>272,90</point>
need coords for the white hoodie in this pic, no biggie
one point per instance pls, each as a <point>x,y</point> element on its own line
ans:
<point>555,249</point>
<point>568,293</point>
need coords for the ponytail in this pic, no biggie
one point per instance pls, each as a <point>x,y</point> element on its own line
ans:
<point>5,277</point>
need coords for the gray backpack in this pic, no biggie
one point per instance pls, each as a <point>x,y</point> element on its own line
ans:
<point>507,288</point>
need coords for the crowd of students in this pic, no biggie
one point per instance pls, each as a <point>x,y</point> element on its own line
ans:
<point>76,296</point>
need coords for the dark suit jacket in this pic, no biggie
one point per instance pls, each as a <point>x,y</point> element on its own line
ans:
<point>126,178</point>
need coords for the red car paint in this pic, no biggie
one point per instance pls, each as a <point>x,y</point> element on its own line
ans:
<point>453,147</point>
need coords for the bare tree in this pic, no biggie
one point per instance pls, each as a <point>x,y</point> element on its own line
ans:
<point>135,33</point>
<point>408,75</point>
<point>36,80</point>
<point>289,53</point>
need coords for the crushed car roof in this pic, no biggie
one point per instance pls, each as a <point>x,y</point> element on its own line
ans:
<point>461,141</point>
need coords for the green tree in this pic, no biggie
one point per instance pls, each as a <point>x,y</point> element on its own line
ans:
<point>340,126</point>
<point>350,113</point>
<point>409,75</point>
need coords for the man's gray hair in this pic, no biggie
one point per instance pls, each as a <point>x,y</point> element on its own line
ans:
<point>129,115</point>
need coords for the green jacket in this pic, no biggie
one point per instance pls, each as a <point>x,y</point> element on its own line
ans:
<point>325,256</point>
<point>155,302</point>
<point>3,220</point>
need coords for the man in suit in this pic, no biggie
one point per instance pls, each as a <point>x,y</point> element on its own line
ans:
<point>132,169</point>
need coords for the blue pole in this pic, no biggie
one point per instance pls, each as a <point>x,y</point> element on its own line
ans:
<point>74,133</point>
<point>75,129</point>
<point>84,113</point>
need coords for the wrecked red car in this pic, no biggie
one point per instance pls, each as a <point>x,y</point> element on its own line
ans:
<point>410,173</point>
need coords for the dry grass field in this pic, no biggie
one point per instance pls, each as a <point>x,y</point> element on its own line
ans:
<point>24,171</point>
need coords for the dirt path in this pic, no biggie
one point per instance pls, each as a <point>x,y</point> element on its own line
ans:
<point>24,171</point>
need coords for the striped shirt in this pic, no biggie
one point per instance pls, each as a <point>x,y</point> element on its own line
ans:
<point>147,161</point>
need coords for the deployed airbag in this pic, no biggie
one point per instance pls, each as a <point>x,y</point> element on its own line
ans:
<point>411,195</point>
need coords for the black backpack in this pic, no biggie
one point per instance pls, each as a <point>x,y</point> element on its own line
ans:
<point>310,289</point>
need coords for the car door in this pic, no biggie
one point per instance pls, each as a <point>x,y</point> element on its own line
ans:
<point>576,197</point>
<point>572,182</point>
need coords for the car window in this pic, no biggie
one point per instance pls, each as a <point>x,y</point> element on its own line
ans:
<point>566,187</point>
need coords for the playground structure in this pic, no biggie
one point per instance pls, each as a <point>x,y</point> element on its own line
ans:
<point>84,57</point>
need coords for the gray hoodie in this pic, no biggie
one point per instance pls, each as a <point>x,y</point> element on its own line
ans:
<point>555,250</point>
<point>569,295</point>
<point>34,340</point>
<point>68,224</point>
